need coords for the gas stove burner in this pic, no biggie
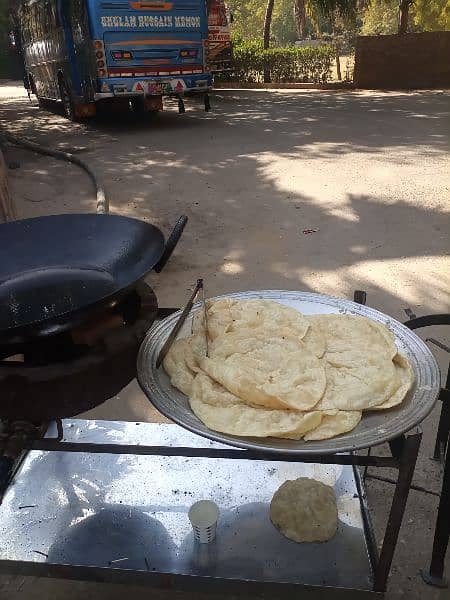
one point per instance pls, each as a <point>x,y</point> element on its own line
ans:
<point>73,371</point>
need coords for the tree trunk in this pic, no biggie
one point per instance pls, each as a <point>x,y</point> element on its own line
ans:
<point>300,18</point>
<point>338,64</point>
<point>337,45</point>
<point>266,39</point>
<point>268,23</point>
<point>403,17</point>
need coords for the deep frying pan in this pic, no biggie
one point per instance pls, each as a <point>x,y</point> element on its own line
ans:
<point>55,270</point>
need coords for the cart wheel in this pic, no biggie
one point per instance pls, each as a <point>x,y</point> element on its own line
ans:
<point>171,243</point>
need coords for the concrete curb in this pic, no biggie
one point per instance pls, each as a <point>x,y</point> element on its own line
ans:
<point>234,85</point>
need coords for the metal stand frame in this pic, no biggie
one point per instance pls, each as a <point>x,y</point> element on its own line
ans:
<point>404,459</point>
<point>404,452</point>
<point>435,574</point>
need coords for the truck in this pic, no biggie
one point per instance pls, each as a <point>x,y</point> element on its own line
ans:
<point>219,47</point>
<point>88,54</point>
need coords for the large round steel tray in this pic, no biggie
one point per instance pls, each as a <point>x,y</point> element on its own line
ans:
<point>374,428</point>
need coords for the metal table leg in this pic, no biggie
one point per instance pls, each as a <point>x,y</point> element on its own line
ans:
<point>435,575</point>
<point>408,458</point>
<point>443,431</point>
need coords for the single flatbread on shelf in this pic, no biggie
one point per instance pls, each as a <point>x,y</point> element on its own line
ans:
<point>273,372</point>
<point>305,510</point>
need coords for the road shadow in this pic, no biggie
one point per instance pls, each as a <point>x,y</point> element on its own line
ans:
<point>246,228</point>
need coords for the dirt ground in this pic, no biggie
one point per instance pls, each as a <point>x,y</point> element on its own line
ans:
<point>366,171</point>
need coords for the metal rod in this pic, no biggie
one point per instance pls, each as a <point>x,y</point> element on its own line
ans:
<point>442,531</point>
<point>367,521</point>
<point>408,458</point>
<point>397,445</point>
<point>426,321</point>
<point>360,297</point>
<point>366,468</point>
<point>60,429</point>
<point>439,344</point>
<point>205,320</point>
<point>51,445</point>
<point>443,431</point>
<point>179,324</point>
<point>416,488</point>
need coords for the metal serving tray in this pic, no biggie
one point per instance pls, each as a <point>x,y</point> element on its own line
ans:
<point>123,518</point>
<point>374,428</point>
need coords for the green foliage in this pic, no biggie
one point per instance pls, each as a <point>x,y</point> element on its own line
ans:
<point>344,8</point>
<point>380,17</point>
<point>323,16</point>
<point>249,20</point>
<point>283,23</point>
<point>286,65</point>
<point>368,17</point>
<point>431,15</point>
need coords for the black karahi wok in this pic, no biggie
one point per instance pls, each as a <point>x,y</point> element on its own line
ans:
<point>56,270</point>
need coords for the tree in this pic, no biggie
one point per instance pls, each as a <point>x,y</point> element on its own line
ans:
<point>341,12</point>
<point>380,18</point>
<point>385,16</point>
<point>300,17</point>
<point>403,16</point>
<point>266,37</point>
<point>267,23</point>
<point>343,8</point>
<point>431,15</point>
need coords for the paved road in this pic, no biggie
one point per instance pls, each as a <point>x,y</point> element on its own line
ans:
<point>366,172</point>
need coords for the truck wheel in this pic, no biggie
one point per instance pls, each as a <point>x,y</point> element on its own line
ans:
<point>68,105</point>
<point>138,106</point>
<point>32,85</point>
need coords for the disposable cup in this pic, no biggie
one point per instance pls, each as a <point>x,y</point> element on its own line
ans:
<point>203,516</point>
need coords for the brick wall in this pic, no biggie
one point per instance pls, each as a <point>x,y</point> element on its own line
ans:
<point>411,61</point>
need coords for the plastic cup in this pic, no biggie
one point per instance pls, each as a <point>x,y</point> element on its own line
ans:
<point>203,516</point>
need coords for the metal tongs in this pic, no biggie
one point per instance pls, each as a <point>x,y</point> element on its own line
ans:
<point>179,324</point>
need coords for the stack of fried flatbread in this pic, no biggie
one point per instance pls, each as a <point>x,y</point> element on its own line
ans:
<point>273,372</point>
